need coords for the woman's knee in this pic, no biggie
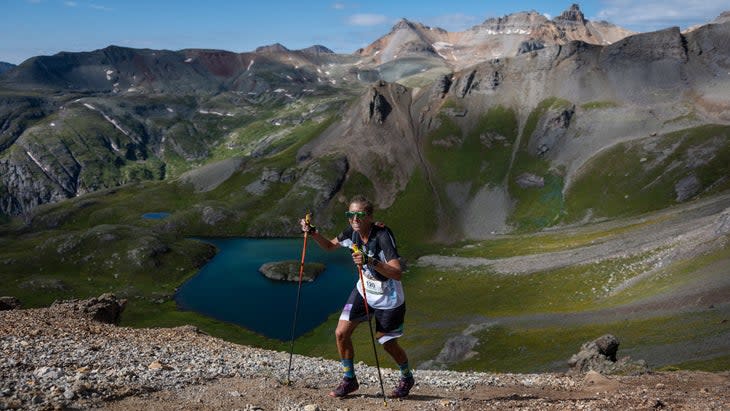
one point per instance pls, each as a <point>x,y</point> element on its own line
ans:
<point>343,332</point>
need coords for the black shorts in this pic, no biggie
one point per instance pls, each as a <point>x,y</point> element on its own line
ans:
<point>388,322</point>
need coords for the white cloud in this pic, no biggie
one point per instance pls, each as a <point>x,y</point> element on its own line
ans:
<point>338,6</point>
<point>366,19</point>
<point>98,7</point>
<point>658,14</point>
<point>70,3</point>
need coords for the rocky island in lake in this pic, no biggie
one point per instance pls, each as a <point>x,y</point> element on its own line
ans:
<point>289,270</point>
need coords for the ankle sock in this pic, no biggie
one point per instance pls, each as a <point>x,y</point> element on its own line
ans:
<point>405,370</point>
<point>348,367</point>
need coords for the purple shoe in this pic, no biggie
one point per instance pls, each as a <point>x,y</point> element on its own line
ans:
<point>347,386</point>
<point>404,387</point>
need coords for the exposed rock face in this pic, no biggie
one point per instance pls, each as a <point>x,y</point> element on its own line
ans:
<point>379,107</point>
<point>289,271</point>
<point>106,308</point>
<point>600,355</point>
<point>530,45</point>
<point>213,215</point>
<point>573,15</point>
<point>526,180</point>
<point>9,303</point>
<point>687,188</point>
<point>443,85</point>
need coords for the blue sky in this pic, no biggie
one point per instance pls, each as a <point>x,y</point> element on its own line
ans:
<point>44,27</point>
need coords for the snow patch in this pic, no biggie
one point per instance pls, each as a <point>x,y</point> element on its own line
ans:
<point>109,74</point>
<point>107,118</point>
<point>249,65</point>
<point>53,124</point>
<point>215,113</point>
<point>189,60</point>
<point>38,163</point>
<point>169,110</point>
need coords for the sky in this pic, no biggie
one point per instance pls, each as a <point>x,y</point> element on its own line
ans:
<point>45,27</point>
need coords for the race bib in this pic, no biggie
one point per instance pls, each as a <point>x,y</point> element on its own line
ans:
<point>373,286</point>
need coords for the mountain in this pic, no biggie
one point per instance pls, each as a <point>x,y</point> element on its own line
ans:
<point>495,38</point>
<point>553,110</point>
<point>78,122</point>
<point>5,66</point>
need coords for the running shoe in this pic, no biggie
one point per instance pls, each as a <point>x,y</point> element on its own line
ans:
<point>347,386</point>
<point>404,387</point>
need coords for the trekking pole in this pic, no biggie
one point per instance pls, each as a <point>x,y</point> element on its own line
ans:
<point>356,250</point>
<point>307,219</point>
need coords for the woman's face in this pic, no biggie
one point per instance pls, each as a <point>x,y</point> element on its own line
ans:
<point>358,218</point>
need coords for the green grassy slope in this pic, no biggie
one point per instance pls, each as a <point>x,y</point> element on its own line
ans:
<point>640,176</point>
<point>99,242</point>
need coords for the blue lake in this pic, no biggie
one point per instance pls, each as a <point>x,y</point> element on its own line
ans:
<point>230,287</point>
<point>156,216</point>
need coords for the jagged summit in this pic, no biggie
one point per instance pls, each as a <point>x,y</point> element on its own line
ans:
<point>573,14</point>
<point>495,37</point>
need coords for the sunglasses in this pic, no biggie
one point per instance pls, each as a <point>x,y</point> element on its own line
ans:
<point>352,214</point>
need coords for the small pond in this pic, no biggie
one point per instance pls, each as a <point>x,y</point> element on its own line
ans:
<point>155,216</point>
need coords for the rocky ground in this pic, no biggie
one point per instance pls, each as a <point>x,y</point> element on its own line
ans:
<point>61,358</point>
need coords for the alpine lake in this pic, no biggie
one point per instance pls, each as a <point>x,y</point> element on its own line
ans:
<point>230,287</point>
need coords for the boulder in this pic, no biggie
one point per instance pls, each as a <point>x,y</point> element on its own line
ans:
<point>289,270</point>
<point>106,308</point>
<point>599,355</point>
<point>9,303</point>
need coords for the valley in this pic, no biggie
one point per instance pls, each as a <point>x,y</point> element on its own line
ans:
<point>545,188</point>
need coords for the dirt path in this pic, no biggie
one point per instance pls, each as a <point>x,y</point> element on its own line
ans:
<point>675,391</point>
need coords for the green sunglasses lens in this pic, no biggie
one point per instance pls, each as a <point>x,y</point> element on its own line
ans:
<point>353,214</point>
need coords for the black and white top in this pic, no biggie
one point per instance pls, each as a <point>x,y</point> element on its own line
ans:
<point>382,292</point>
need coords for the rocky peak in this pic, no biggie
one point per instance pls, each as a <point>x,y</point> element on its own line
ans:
<point>273,48</point>
<point>403,24</point>
<point>572,15</point>
<point>317,49</point>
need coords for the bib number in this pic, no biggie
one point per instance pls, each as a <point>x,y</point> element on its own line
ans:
<point>374,286</point>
